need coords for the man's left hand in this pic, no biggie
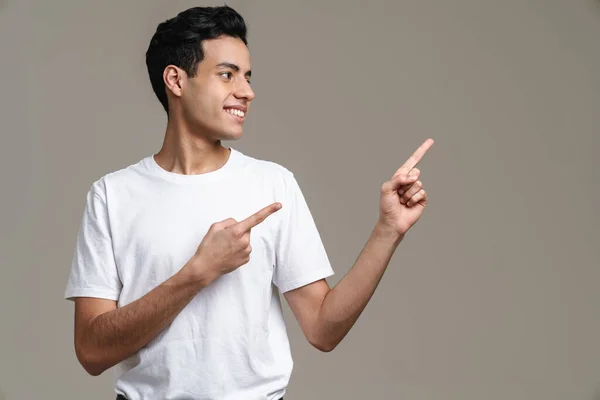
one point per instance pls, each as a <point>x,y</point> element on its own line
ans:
<point>403,198</point>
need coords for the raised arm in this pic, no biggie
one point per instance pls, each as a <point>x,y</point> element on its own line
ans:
<point>327,315</point>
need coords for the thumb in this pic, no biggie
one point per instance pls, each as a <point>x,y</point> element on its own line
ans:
<point>225,223</point>
<point>400,180</point>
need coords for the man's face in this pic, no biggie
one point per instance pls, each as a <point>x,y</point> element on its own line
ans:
<point>216,101</point>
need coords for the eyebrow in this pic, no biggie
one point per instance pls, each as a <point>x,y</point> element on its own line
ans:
<point>233,67</point>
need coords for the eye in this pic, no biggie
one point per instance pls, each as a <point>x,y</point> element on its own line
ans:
<point>226,75</point>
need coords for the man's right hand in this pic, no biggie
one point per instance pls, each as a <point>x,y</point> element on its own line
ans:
<point>106,334</point>
<point>226,245</point>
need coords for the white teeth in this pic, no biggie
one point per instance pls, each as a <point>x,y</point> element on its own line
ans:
<point>234,111</point>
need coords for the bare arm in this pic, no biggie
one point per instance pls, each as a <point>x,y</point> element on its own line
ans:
<point>326,315</point>
<point>105,335</point>
<point>345,302</point>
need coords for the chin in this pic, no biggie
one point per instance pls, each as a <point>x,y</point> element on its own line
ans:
<point>231,135</point>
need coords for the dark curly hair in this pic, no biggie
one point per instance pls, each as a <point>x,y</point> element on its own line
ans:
<point>178,41</point>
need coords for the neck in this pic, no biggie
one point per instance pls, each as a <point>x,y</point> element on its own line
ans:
<point>190,153</point>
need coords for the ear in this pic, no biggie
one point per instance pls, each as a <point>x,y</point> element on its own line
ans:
<point>174,79</point>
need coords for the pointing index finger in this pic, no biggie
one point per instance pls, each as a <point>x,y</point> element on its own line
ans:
<point>258,217</point>
<point>416,156</point>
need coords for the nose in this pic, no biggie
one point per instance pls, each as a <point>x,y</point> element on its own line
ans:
<point>244,91</point>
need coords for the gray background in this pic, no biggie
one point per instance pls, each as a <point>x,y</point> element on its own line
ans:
<point>494,294</point>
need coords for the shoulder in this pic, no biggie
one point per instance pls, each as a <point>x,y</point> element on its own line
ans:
<point>267,169</point>
<point>117,179</point>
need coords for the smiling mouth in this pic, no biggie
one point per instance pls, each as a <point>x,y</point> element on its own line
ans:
<point>238,114</point>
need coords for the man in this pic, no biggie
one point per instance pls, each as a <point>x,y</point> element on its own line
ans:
<point>176,276</point>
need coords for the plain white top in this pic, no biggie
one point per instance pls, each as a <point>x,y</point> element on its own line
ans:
<point>141,224</point>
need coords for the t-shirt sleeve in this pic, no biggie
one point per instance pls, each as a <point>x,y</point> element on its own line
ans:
<point>93,270</point>
<point>299,252</point>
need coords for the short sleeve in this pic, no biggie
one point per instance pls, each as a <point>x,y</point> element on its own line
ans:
<point>93,269</point>
<point>299,251</point>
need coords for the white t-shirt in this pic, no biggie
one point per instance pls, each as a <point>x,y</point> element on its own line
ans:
<point>141,224</point>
